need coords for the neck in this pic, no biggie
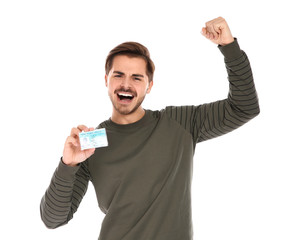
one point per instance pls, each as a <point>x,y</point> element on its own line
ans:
<point>120,118</point>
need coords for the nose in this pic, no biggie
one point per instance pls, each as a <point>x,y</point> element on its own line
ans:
<point>126,82</point>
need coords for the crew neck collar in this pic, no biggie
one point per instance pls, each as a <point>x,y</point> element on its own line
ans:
<point>135,125</point>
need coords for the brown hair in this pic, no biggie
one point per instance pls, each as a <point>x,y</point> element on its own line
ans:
<point>131,49</point>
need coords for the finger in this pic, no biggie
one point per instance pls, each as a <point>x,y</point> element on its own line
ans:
<point>89,152</point>
<point>216,35</point>
<point>72,140</point>
<point>205,33</point>
<point>83,128</point>
<point>209,34</point>
<point>212,33</point>
<point>217,28</point>
<point>75,132</point>
<point>91,129</point>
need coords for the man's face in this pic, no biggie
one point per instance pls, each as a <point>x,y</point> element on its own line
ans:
<point>127,83</point>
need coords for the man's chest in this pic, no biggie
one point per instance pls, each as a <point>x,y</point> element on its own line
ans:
<point>135,165</point>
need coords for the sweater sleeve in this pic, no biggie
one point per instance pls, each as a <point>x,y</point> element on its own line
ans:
<point>64,194</point>
<point>214,119</point>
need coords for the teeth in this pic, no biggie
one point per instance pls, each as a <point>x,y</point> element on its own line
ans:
<point>125,95</point>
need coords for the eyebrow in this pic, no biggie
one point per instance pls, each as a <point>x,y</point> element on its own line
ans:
<point>134,75</point>
<point>138,75</point>
<point>118,72</point>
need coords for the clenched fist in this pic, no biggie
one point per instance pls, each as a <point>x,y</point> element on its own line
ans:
<point>217,30</point>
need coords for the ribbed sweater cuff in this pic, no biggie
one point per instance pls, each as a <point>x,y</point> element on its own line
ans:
<point>66,172</point>
<point>231,51</point>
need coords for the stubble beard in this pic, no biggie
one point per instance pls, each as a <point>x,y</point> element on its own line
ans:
<point>126,110</point>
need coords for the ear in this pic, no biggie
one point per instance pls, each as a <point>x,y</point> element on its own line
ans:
<point>150,87</point>
<point>106,80</point>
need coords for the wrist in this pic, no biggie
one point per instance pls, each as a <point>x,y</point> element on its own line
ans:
<point>227,42</point>
<point>68,163</point>
<point>231,51</point>
<point>66,172</point>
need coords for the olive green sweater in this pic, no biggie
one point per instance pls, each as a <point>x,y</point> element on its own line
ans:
<point>143,178</point>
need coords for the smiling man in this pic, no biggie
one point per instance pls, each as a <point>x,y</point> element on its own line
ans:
<point>143,178</point>
<point>128,84</point>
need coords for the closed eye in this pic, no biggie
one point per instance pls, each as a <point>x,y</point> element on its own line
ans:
<point>138,77</point>
<point>118,74</point>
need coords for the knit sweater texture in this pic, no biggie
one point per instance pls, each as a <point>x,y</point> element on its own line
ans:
<point>143,178</point>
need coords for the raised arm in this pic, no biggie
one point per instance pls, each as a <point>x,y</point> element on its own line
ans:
<point>214,119</point>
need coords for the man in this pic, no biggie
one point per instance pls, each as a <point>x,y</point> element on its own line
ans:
<point>143,178</point>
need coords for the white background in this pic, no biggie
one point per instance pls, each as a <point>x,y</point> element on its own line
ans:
<point>246,184</point>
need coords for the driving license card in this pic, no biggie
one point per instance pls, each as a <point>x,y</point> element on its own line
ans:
<point>93,139</point>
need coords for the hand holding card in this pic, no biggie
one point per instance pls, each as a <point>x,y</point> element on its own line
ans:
<point>74,153</point>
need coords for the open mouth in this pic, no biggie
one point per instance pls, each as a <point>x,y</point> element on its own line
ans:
<point>125,96</point>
